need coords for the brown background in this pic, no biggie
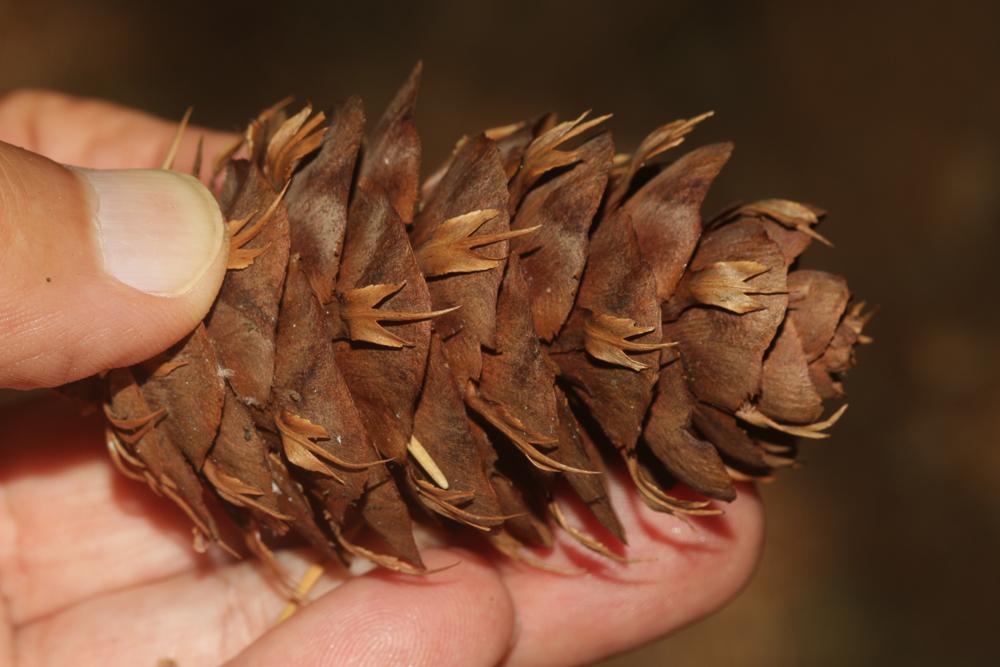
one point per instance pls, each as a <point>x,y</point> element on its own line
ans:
<point>884,548</point>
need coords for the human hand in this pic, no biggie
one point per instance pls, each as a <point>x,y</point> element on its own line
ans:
<point>94,569</point>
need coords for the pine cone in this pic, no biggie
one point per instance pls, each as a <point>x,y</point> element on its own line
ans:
<point>382,350</point>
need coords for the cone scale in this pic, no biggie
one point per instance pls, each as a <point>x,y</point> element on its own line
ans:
<point>385,352</point>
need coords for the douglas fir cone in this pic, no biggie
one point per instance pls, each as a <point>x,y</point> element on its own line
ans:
<point>384,351</point>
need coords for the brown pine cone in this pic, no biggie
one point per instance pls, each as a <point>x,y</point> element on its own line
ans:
<point>383,351</point>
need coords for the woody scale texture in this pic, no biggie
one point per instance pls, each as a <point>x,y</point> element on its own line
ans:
<point>467,350</point>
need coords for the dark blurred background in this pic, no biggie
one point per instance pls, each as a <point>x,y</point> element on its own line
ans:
<point>883,549</point>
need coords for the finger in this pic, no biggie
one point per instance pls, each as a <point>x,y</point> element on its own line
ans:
<point>461,616</point>
<point>63,549</point>
<point>71,527</point>
<point>678,574</point>
<point>99,269</point>
<point>97,134</point>
<point>6,637</point>
<point>197,618</point>
<point>73,531</point>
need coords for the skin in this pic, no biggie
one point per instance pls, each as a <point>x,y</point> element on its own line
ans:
<point>94,569</point>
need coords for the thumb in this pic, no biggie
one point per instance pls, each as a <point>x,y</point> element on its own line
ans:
<point>99,269</point>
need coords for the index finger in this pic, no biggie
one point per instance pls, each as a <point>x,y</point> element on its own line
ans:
<point>678,574</point>
<point>97,134</point>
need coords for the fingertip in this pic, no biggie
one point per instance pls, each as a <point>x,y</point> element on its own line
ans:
<point>101,269</point>
<point>158,231</point>
<point>460,616</point>
<point>678,573</point>
<point>727,550</point>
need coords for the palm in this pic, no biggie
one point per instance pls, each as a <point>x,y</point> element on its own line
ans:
<point>94,569</point>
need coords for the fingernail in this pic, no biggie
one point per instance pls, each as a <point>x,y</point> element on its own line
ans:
<point>159,230</point>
